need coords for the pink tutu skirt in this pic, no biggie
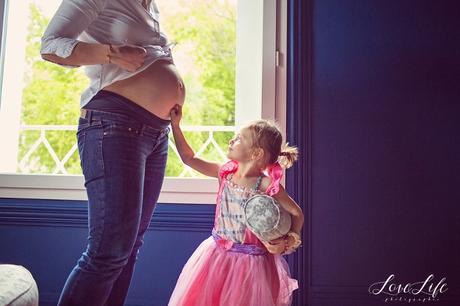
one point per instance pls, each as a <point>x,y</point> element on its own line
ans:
<point>214,276</point>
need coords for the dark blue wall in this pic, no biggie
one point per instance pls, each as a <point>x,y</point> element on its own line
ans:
<point>374,106</point>
<point>48,236</point>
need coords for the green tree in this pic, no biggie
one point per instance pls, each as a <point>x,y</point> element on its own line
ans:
<point>208,29</point>
<point>204,30</point>
<point>50,96</point>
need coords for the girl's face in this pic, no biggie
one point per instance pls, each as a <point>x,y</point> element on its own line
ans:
<point>239,147</point>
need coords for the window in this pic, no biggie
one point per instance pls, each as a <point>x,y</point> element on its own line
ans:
<point>225,52</point>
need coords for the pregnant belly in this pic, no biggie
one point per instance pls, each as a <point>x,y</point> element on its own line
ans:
<point>157,88</point>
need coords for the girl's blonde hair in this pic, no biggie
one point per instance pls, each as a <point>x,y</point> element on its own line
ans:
<point>266,134</point>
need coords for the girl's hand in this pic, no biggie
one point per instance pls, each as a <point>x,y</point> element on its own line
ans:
<point>128,57</point>
<point>284,245</point>
<point>293,241</point>
<point>276,246</point>
<point>176,114</point>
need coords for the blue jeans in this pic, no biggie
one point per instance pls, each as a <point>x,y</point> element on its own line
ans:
<point>123,163</point>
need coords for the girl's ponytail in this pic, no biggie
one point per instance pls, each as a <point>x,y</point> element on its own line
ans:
<point>288,156</point>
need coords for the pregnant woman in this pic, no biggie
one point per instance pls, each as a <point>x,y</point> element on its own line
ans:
<point>122,132</point>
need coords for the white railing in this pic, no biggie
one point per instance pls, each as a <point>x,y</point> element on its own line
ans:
<point>60,163</point>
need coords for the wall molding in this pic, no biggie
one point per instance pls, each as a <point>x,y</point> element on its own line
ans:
<point>50,298</point>
<point>298,131</point>
<point>56,213</point>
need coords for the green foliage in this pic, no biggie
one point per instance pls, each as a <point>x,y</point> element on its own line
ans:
<point>204,31</point>
<point>51,96</point>
<point>208,29</point>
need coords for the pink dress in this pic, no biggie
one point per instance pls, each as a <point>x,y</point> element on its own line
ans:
<point>232,267</point>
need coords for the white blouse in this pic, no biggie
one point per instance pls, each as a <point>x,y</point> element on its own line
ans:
<point>105,21</point>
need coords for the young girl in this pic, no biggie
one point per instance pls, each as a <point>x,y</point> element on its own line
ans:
<point>233,267</point>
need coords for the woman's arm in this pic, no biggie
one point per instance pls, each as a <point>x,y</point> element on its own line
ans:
<point>186,152</point>
<point>60,37</point>
<point>128,57</point>
<point>59,43</point>
<point>82,54</point>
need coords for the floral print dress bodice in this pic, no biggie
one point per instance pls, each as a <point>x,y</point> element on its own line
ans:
<point>231,223</point>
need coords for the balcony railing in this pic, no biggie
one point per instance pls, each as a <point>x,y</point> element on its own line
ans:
<point>24,163</point>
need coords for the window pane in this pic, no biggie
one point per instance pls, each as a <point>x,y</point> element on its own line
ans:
<point>40,100</point>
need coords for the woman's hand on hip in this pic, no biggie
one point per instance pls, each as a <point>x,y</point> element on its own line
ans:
<point>128,57</point>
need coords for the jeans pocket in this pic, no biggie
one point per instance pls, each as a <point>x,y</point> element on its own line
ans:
<point>89,142</point>
<point>119,129</point>
<point>84,125</point>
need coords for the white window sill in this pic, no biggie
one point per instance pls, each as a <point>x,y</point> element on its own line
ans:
<point>71,187</point>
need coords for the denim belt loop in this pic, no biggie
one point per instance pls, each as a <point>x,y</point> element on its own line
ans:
<point>167,130</point>
<point>89,115</point>
<point>86,114</point>
<point>164,131</point>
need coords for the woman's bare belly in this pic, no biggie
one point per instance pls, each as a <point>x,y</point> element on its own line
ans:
<point>157,88</point>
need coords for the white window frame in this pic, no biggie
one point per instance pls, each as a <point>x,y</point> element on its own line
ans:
<point>3,22</point>
<point>261,46</point>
